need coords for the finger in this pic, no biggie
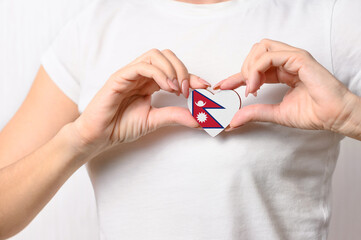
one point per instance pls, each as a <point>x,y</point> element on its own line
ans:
<point>196,82</point>
<point>272,45</point>
<point>258,49</point>
<point>147,89</point>
<point>289,67</point>
<point>161,117</point>
<point>256,53</point>
<point>180,70</point>
<point>244,68</point>
<point>218,85</point>
<point>132,73</point>
<point>238,79</point>
<point>231,82</point>
<point>184,79</point>
<point>158,59</point>
<point>255,113</point>
<point>289,61</point>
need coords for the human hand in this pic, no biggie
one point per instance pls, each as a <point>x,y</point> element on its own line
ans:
<point>316,99</point>
<point>121,111</point>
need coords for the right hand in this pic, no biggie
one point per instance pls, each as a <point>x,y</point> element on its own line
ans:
<point>121,111</point>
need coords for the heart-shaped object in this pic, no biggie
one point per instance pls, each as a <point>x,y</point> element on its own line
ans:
<point>213,112</point>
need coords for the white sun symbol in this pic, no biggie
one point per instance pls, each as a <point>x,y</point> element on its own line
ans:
<point>201,117</point>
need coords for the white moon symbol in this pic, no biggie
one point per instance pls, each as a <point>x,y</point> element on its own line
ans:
<point>200,103</point>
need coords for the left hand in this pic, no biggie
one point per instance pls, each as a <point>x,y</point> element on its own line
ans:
<point>316,99</point>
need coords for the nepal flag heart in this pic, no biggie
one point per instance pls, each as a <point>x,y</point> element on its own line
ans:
<point>213,112</point>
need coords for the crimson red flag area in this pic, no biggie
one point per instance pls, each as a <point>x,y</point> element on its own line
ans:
<point>199,110</point>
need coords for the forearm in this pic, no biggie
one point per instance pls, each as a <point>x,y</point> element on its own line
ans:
<point>352,124</point>
<point>28,184</point>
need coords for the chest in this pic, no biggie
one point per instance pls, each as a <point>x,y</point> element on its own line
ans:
<point>212,48</point>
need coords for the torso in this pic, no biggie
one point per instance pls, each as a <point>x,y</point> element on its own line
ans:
<point>262,181</point>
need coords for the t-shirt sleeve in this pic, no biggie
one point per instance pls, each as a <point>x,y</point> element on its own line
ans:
<point>63,60</point>
<point>346,43</point>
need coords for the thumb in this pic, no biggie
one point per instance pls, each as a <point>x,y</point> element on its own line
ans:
<point>255,113</point>
<point>161,117</point>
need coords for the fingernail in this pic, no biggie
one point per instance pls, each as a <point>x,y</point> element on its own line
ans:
<point>217,86</point>
<point>228,129</point>
<point>246,91</point>
<point>172,85</point>
<point>185,88</point>
<point>204,82</point>
<point>175,81</point>
<point>255,94</point>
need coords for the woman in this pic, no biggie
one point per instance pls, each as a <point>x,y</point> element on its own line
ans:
<point>263,181</point>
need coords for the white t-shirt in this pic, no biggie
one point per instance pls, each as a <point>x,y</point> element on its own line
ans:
<point>263,181</point>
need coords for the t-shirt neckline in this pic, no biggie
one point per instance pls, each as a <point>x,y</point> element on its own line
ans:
<point>200,10</point>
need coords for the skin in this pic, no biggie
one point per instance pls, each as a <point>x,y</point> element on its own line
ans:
<point>316,99</point>
<point>43,145</point>
<point>32,169</point>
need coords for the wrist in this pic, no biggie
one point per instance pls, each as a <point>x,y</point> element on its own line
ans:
<point>351,124</point>
<point>79,150</point>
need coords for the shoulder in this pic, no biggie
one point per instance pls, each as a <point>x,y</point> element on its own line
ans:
<point>346,30</point>
<point>97,8</point>
<point>347,11</point>
<point>346,43</point>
